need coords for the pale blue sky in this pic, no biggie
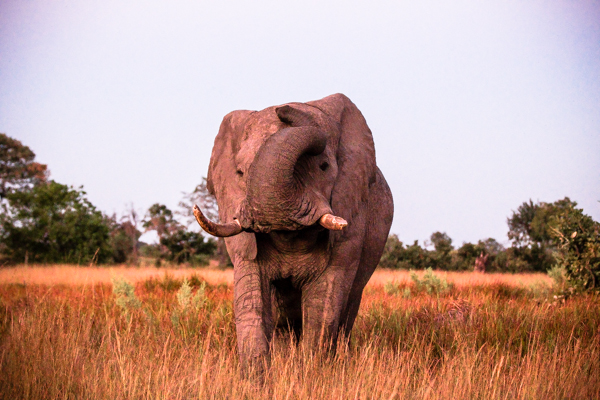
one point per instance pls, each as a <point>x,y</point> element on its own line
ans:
<point>475,107</point>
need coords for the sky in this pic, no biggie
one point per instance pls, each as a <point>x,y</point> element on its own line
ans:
<point>475,107</point>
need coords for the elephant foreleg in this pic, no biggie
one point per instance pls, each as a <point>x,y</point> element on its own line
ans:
<point>253,317</point>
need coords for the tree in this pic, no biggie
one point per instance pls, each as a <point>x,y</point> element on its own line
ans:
<point>529,229</point>
<point>187,246</point>
<point>577,239</point>
<point>175,242</point>
<point>201,197</point>
<point>520,223</point>
<point>530,224</point>
<point>160,219</point>
<point>392,253</point>
<point>441,257</point>
<point>51,223</point>
<point>208,204</point>
<point>465,256</point>
<point>124,237</point>
<point>397,256</point>
<point>17,168</point>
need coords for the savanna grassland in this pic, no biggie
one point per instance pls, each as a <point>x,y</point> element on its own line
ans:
<point>74,333</point>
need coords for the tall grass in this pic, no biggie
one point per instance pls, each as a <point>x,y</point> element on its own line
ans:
<point>74,275</point>
<point>486,340</point>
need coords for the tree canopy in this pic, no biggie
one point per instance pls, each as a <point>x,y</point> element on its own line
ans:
<point>530,224</point>
<point>176,243</point>
<point>531,234</point>
<point>17,166</point>
<point>53,223</point>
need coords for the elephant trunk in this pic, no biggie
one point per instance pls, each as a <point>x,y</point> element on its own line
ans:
<point>276,197</point>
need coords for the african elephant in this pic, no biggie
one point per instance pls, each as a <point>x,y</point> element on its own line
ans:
<point>305,212</point>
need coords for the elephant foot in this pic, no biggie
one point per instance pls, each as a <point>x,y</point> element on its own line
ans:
<point>255,368</point>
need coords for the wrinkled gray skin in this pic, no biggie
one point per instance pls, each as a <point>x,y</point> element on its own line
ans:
<point>277,171</point>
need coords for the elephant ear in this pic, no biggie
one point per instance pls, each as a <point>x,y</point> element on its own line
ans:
<point>355,157</point>
<point>222,182</point>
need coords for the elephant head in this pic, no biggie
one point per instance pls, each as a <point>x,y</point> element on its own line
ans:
<point>287,168</point>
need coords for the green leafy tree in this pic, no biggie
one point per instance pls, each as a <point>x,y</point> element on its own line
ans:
<point>177,244</point>
<point>465,256</point>
<point>392,253</point>
<point>52,223</point>
<point>188,246</point>
<point>530,224</point>
<point>529,229</point>
<point>498,259</point>
<point>441,257</point>
<point>18,170</point>
<point>160,219</point>
<point>397,256</point>
<point>124,237</point>
<point>577,240</point>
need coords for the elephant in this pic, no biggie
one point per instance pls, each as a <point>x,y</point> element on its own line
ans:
<point>305,213</point>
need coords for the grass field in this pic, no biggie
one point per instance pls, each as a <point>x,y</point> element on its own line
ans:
<point>65,334</point>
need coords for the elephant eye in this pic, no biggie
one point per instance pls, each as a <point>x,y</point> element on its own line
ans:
<point>324,166</point>
<point>239,172</point>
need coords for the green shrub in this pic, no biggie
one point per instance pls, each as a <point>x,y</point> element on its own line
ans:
<point>391,287</point>
<point>124,295</point>
<point>430,283</point>
<point>577,239</point>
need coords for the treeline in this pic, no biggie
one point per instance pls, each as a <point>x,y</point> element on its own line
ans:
<point>43,221</point>
<point>543,235</point>
<point>490,255</point>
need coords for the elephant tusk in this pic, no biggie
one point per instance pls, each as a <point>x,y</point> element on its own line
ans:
<point>218,230</point>
<point>332,222</point>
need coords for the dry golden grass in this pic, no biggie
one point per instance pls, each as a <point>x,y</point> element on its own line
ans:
<point>488,337</point>
<point>74,275</point>
<point>463,279</point>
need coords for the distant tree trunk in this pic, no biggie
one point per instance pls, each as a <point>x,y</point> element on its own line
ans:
<point>480,263</point>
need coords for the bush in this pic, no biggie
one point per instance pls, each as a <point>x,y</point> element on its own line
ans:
<point>577,239</point>
<point>124,294</point>
<point>430,283</point>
